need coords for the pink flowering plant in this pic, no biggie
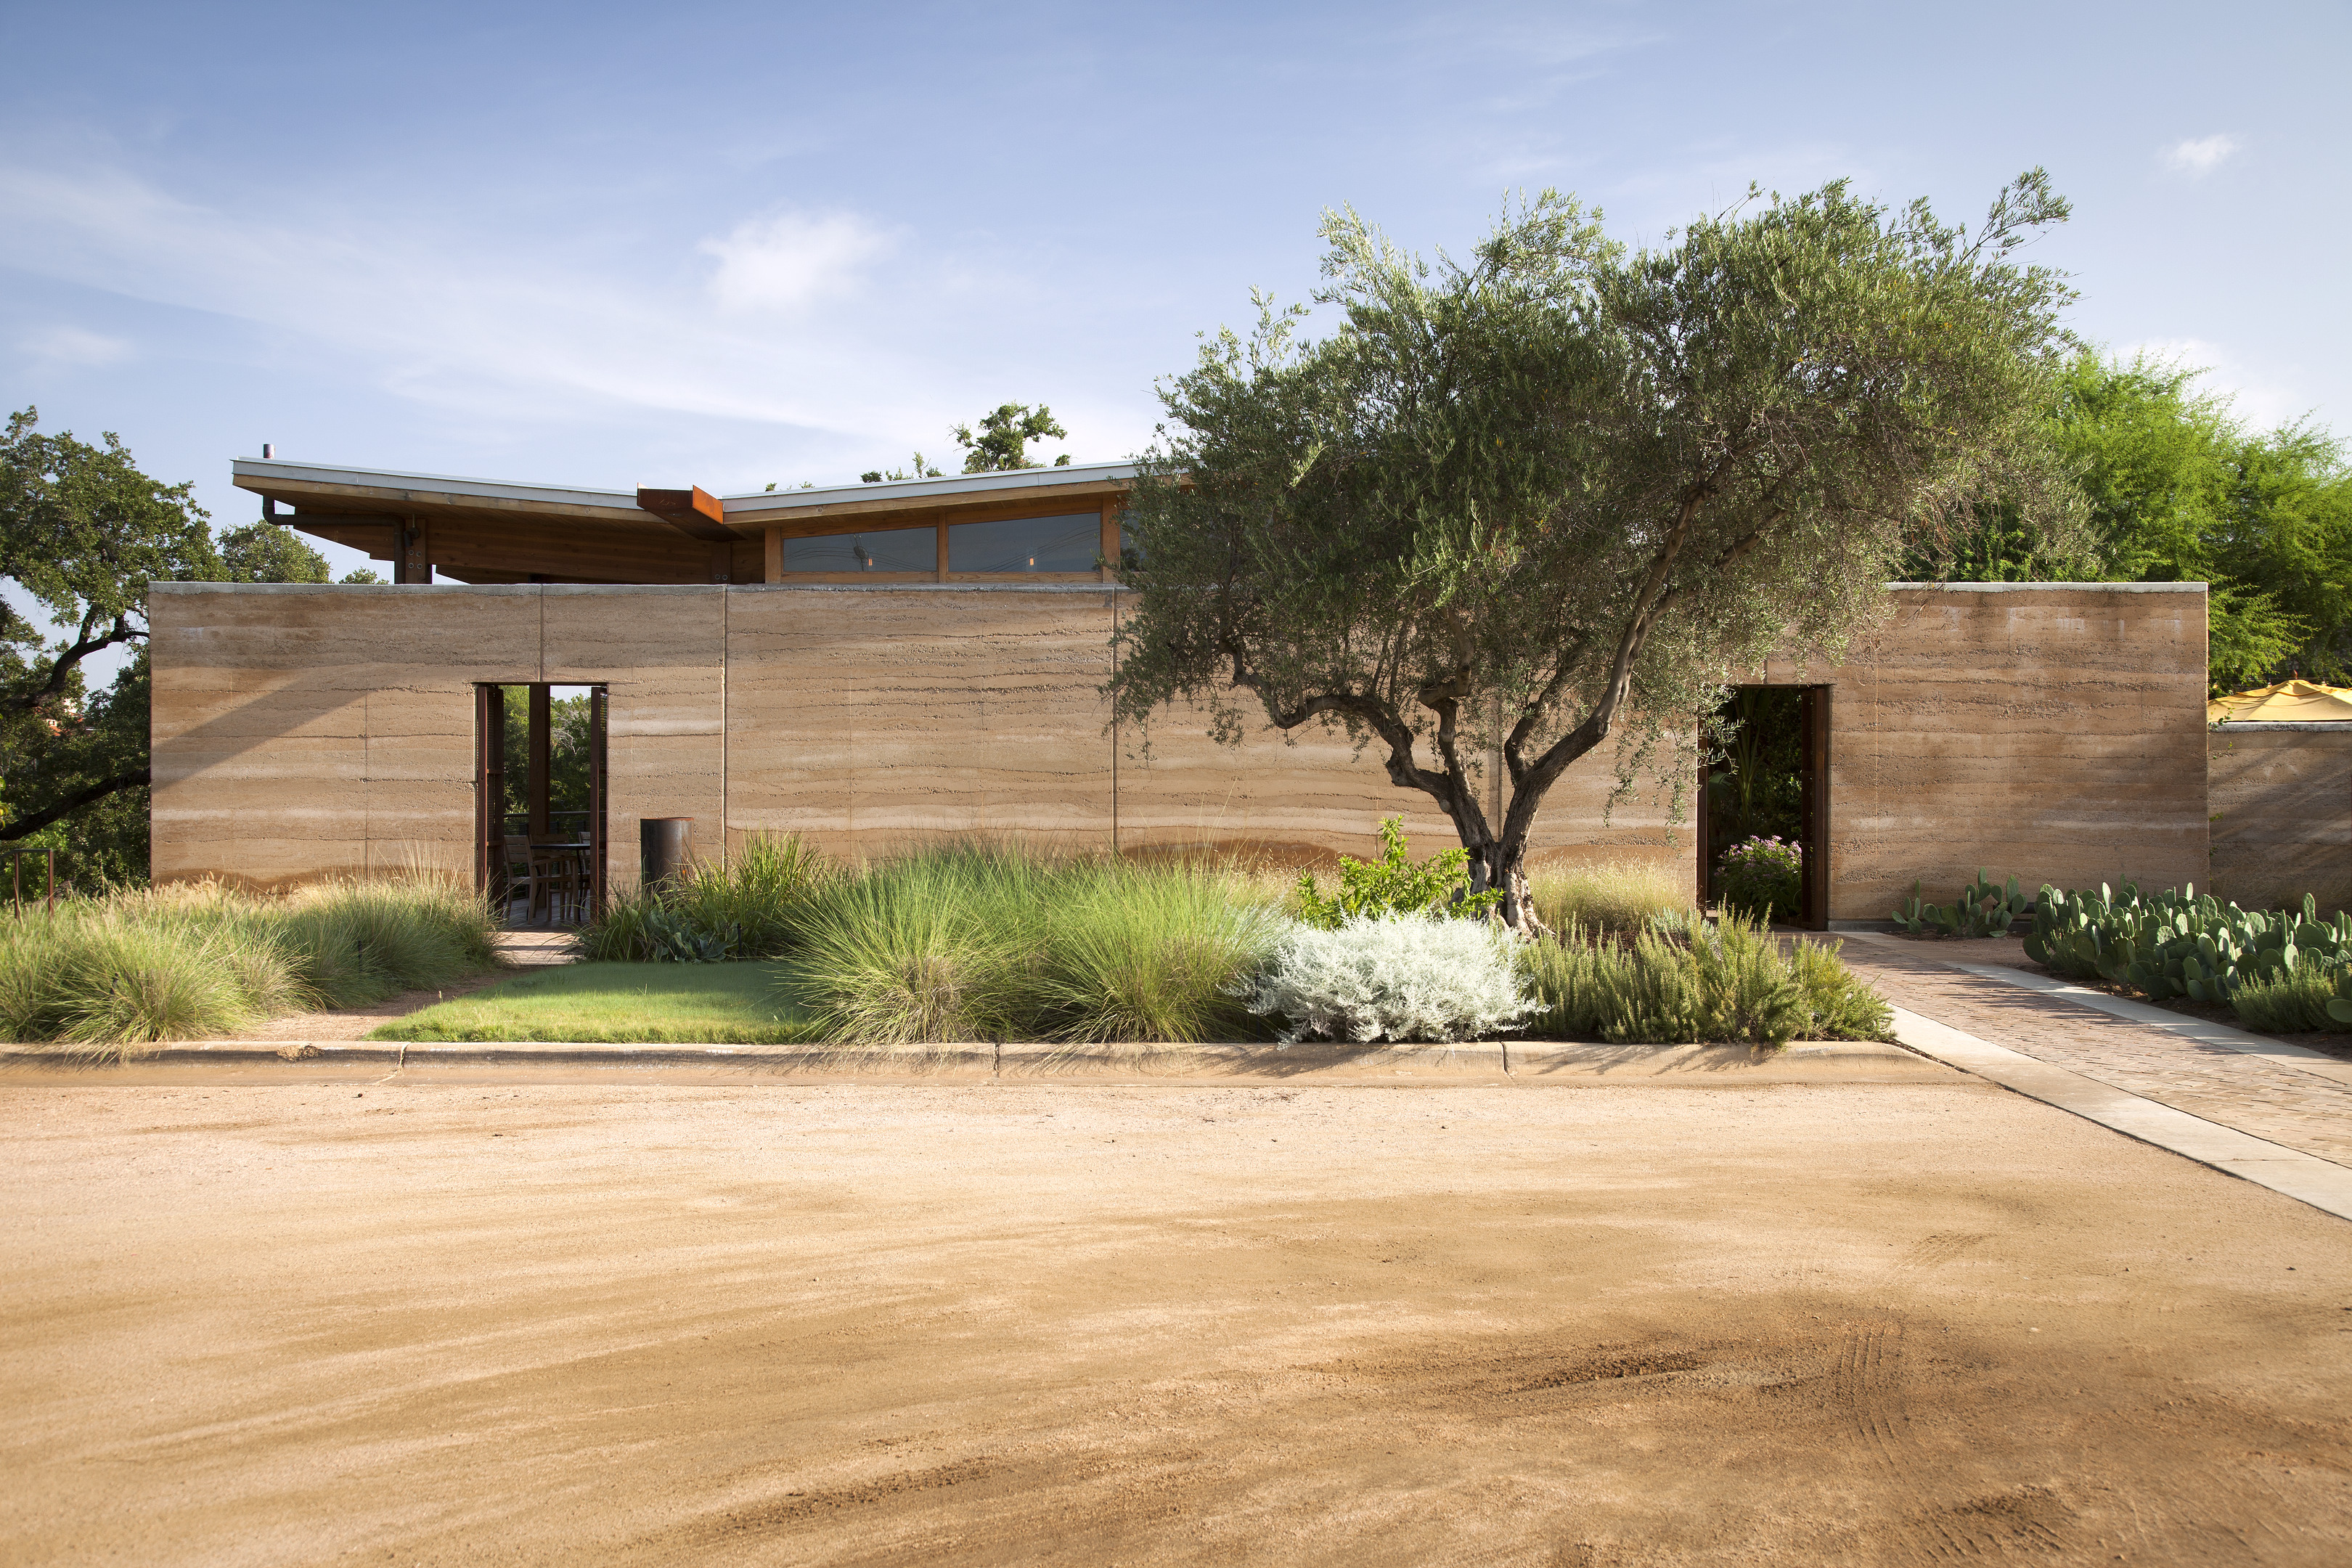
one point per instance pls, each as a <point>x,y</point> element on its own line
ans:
<point>1761,878</point>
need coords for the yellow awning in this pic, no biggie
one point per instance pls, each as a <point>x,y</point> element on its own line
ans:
<point>2299,701</point>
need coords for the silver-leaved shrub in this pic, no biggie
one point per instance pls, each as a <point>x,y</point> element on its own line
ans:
<point>1393,977</point>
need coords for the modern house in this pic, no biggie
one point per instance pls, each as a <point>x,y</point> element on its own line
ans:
<point>869,664</point>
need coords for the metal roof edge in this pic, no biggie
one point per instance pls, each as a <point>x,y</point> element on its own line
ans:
<point>244,468</point>
<point>918,490</point>
<point>255,473</point>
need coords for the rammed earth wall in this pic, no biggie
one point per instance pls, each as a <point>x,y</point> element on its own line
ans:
<point>306,731</point>
<point>2054,731</point>
<point>2282,808</point>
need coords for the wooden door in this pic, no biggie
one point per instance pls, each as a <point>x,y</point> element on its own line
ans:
<point>489,790</point>
<point>599,839</point>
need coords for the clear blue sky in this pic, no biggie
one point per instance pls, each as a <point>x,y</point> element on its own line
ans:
<point>730,244</point>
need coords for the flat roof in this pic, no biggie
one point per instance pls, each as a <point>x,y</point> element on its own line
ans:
<point>262,474</point>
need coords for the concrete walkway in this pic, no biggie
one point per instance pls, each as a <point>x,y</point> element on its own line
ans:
<point>2276,1113</point>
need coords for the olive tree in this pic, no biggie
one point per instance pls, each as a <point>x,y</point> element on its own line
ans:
<point>1515,506</point>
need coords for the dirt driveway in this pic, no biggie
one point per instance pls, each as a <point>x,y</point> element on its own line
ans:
<point>479,1322</point>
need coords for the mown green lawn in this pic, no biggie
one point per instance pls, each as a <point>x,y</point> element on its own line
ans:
<point>620,1003</point>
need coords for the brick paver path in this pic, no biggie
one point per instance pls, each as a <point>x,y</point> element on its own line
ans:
<point>2300,1109</point>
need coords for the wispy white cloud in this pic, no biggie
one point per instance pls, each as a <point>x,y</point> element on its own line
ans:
<point>67,345</point>
<point>815,321</point>
<point>2201,155</point>
<point>792,261</point>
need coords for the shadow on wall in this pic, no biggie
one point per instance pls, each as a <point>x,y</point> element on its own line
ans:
<point>2281,799</point>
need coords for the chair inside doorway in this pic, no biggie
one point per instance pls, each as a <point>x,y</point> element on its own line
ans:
<point>539,791</point>
<point>1769,778</point>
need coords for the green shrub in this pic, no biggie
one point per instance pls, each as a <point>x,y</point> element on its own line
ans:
<point>1840,1004</point>
<point>2290,1002</point>
<point>1729,981</point>
<point>1649,994</point>
<point>741,906</point>
<point>1394,885</point>
<point>1747,990</point>
<point>1760,877</point>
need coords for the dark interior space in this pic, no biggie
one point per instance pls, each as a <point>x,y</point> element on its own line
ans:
<point>540,802</point>
<point>1757,791</point>
<point>1769,781</point>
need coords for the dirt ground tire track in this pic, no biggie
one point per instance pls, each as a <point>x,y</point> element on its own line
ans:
<point>474,1323</point>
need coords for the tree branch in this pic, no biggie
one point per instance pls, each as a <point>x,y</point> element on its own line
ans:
<point>67,657</point>
<point>1403,769</point>
<point>25,826</point>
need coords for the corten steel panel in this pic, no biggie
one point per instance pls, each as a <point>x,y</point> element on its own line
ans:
<point>2055,733</point>
<point>661,654</point>
<point>865,719</point>
<point>2280,802</point>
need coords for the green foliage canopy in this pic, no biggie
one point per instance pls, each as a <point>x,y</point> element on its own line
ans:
<point>2174,489</point>
<point>1560,490</point>
<point>1002,442</point>
<point>83,533</point>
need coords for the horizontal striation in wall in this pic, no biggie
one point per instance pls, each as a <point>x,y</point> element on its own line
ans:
<point>2055,734</point>
<point>300,731</point>
<point>2282,813</point>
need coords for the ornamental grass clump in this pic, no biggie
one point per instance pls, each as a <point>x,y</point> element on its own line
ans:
<point>975,940</point>
<point>1730,980</point>
<point>185,962</point>
<point>1616,898</point>
<point>1396,977</point>
<point>741,906</point>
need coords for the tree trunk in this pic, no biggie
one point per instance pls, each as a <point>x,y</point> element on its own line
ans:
<point>1503,865</point>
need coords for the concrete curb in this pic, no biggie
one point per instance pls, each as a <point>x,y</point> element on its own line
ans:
<point>1566,1064</point>
<point>2306,1177</point>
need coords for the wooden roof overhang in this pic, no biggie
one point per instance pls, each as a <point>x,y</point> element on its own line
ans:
<point>484,531</point>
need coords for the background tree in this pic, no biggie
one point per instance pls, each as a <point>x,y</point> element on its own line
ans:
<point>919,469</point>
<point>1564,491</point>
<point>2176,490</point>
<point>82,532</point>
<point>1003,443</point>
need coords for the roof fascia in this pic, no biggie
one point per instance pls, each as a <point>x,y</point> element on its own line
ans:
<point>303,484</point>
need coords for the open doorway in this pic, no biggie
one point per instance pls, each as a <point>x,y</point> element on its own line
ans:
<point>1771,782</point>
<point>539,802</point>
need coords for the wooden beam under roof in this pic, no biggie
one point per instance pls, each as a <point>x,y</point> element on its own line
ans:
<point>694,512</point>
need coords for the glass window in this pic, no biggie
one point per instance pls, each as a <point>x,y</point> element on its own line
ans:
<point>896,549</point>
<point>1069,543</point>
